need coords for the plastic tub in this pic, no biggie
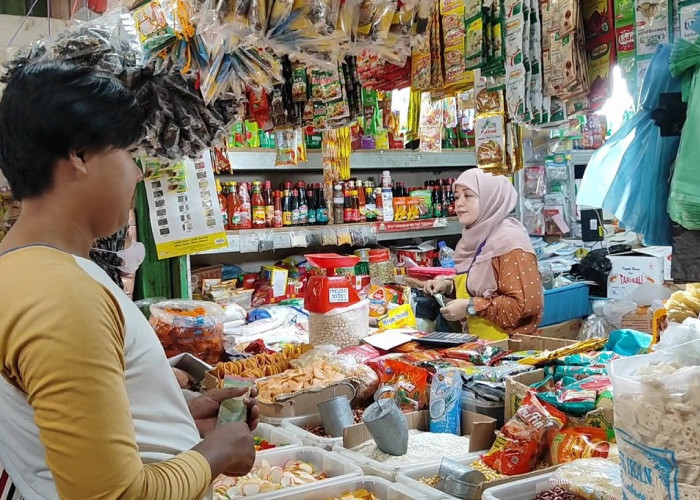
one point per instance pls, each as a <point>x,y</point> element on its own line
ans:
<point>409,476</point>
<point>389,472</point>
<point>277,436</point>
<point>335,467</point>
<point>524,489</point>
<point>294,426</point>
<point>491,409</point>
<point>565,303</point>
<point>334,488</point>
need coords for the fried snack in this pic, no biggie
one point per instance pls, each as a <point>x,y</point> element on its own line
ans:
<point>261,365</point>
<point>315,376</point>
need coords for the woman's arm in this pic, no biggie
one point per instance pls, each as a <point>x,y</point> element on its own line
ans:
<point>67,355</point>
<point>519,293</point>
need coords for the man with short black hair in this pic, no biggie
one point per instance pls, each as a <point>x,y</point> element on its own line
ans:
<point>89,407</point>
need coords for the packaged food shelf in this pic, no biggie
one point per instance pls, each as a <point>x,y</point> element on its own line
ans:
<point>281,438</point>
<point>335,488</point>
<point>295,427</point>
<point>384,231</point>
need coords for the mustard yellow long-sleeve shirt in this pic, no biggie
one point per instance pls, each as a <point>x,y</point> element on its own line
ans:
<point>89,407</point>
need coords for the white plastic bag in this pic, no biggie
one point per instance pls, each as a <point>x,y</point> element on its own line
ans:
<point>677,334</point>
<point>341,327</point>
<point>656,405</point>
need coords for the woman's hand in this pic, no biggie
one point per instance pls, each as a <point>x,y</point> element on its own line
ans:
<point>455,310</point>
<point>205,408</point>
<point>433,287</point>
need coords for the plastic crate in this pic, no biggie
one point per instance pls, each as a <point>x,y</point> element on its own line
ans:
<point>294,425</point>
<point>335,467</point>
<point>524,489</point>
<point>565,303</point>
<point>410,476</point>
<point>281,438</point>
<point>332,488</point>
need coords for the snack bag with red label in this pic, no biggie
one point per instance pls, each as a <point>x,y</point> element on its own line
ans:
<point>580,442</point>
<point>475,352</point>
<point>409,382</point>
<point>522,441</point>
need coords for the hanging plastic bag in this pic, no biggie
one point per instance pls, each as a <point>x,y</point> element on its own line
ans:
<point>637,151</point>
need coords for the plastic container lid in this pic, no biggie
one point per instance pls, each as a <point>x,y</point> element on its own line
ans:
<point>331,261</point>
<point>430,272</point>
<point>442,244</point>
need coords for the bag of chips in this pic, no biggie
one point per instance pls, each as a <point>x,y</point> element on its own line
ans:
<point>409,382</point>
<point>475,352</point>
<point>580,442</point>
<point>522,441</point>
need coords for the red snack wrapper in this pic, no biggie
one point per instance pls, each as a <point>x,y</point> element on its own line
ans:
<point>523,440</point>
<point>409,382</point>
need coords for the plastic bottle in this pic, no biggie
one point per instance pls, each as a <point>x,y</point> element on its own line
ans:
<point>294,205</point>
<point>338,205</point>
<point>222,203</point>
<point>387,204</point>
<point>269,200</point>
<point>277,220</point>
<point>347,207</point>
<point>311,198</point>
<point>321,205</point>
<point>379,204</point>
<point>258,206</point>
<point>246,216</point>
<point>386,179</point>
<point>370,205</point>
<point>233,205</point>
<point>446,255</point>
<point>287,208</point>
<point>303,204</point>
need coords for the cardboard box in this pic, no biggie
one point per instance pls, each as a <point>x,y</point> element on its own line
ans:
<point>480,429</point>
<point>301,404</point>
<point>518,385</point>
<point>666,255</point>
<point>568,330</point>
<point>631,269</point>
<point>642,320</point>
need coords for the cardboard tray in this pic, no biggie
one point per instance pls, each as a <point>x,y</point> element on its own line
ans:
<point>533,343</point>
<point>410,475</point>
<point>480,428</point>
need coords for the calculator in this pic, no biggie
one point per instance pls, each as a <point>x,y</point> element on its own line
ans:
<point>446,339</point>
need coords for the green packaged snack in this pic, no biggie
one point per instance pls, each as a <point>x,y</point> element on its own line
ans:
<point>426,205</point>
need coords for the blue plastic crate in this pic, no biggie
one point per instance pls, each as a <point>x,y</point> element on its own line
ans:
<point>565,303</point>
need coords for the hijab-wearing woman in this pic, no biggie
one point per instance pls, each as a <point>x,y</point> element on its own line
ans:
<point>497,288</point>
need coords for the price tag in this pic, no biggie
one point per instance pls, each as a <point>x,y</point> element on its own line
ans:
<point>338,295</point>
<point>414,158</point>
<point>282,240</point>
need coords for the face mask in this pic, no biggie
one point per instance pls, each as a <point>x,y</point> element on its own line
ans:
<point>131,257</point>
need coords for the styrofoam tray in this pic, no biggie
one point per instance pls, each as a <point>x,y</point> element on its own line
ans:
<point>335,487</point>
<point>335,466</point>
<point>409,476</point>
<point>374,468</point>
<point>277,436</point>
<point>294,426</point>
<point>524,489</point>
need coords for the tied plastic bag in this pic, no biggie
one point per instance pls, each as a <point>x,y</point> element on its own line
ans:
<point>656,405</point>
<point>342,326</point>
<point>190,326</point>
<point>676,334</point>
<point>606,317</point>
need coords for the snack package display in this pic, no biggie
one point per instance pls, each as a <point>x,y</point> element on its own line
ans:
<point>190,326</point>
<point>524,438</point>
<point>576,397</point>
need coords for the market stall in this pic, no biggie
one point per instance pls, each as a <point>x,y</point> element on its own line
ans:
<point>303,218</point>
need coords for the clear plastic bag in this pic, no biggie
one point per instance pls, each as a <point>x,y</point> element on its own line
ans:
<point>341,327</point>
<point>190,326</point>
<point>590,478</point>
<point>657,402</point>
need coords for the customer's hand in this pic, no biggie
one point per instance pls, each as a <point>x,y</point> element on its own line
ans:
<point>205,408</point>
<point>455,310</point>
<point>433,287</point>
<point>229,449</point>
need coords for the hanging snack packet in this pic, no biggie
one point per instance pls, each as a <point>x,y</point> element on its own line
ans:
<point>445,410</point>
<point>523,439</point>
<point>154,27</point>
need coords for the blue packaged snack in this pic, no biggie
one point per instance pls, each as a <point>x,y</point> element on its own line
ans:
<point>445,394</point>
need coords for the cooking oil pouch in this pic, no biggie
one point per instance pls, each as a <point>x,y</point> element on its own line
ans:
<point>445,395</point>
